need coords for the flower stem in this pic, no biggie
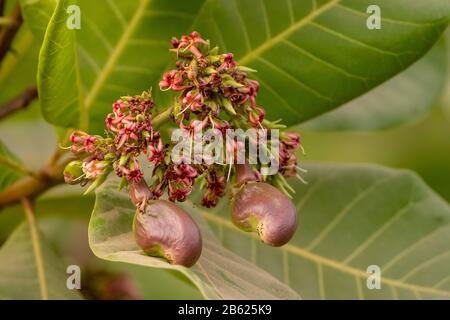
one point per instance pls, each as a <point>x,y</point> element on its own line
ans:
<point>6,21</point>
<point>162,117</point>
<point>32,186</point>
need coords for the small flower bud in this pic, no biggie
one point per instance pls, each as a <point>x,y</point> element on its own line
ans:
<point>92,169</point>
<point>73,172</point>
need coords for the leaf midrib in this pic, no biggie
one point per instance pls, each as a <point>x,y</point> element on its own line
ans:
<point>251,55</point>
<point>37,250</point>
<point>117,52</point>
<point>296,250</point>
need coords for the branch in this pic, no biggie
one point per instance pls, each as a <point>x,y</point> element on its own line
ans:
<point>14,165</point>
<point>20,102</point>
<point>2,7</point>
<point>8,32</point>
<point>6,21</point>
<point>31,187</point>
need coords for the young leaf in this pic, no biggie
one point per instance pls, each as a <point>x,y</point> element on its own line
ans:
<point>19,272</point>
<point>219,274</point>
<point>59,82</point>
<point>352,217</point>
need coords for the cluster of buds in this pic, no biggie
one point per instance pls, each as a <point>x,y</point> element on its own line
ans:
<point>210,82</point>
<point>130,124</point>
<point>96,160</point>
<point>289,146</point>
<point>129,133</point>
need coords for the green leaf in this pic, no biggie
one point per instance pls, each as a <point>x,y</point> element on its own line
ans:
<point>37,14</point>
<point>404,98</point>
<point>59,82</point>
<point>313,56</point>
<point>18,69</point>
<point>219,274</point>
<point>351,217</point>
<point>123,51</point>
<point>19,271</point>
<point>10,167</point>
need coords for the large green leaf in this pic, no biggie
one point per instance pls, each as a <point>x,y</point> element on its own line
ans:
<point>37,14</point>
<point>351,217</point>
<point>312,56</point>
<point>60,73</point>
<point>300,48</point>
<point>19,270</point>
<point>19,69</point>
<point>404,98</point>
<point>66,234</point>
<point>122,51</point>
<point>219,274</point>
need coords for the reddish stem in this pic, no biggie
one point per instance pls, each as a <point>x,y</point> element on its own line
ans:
<point>244,173</point>
<point>139,192</point>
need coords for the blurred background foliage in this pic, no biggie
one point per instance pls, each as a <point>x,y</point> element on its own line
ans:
<point>422,146</point>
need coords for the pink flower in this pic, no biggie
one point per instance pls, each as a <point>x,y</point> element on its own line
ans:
<point>289,144</point>
<point>197,39</point>
<point>215,190</point>
<point>178,191</point>
<point>172,80</point>
<point>155,152</point>
<point>228,62</point>
<point>89,144</point>
<point>92,169</point>
<point>291,139</point>
<point>185,172</point>
<point>82,142</point>
<point>135,175</point>
<point>118,106</point>
<point>186,41</point>
<point>193,100</point>
<point>256,116</point>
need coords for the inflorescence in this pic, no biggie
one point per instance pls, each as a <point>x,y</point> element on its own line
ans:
<point>212,92</point>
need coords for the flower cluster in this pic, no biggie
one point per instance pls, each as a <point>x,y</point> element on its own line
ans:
<point>129,134</point>
<point>215,92</point>
<point>212,92</point>
<point>210,82</point>
<point>130,124</point>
